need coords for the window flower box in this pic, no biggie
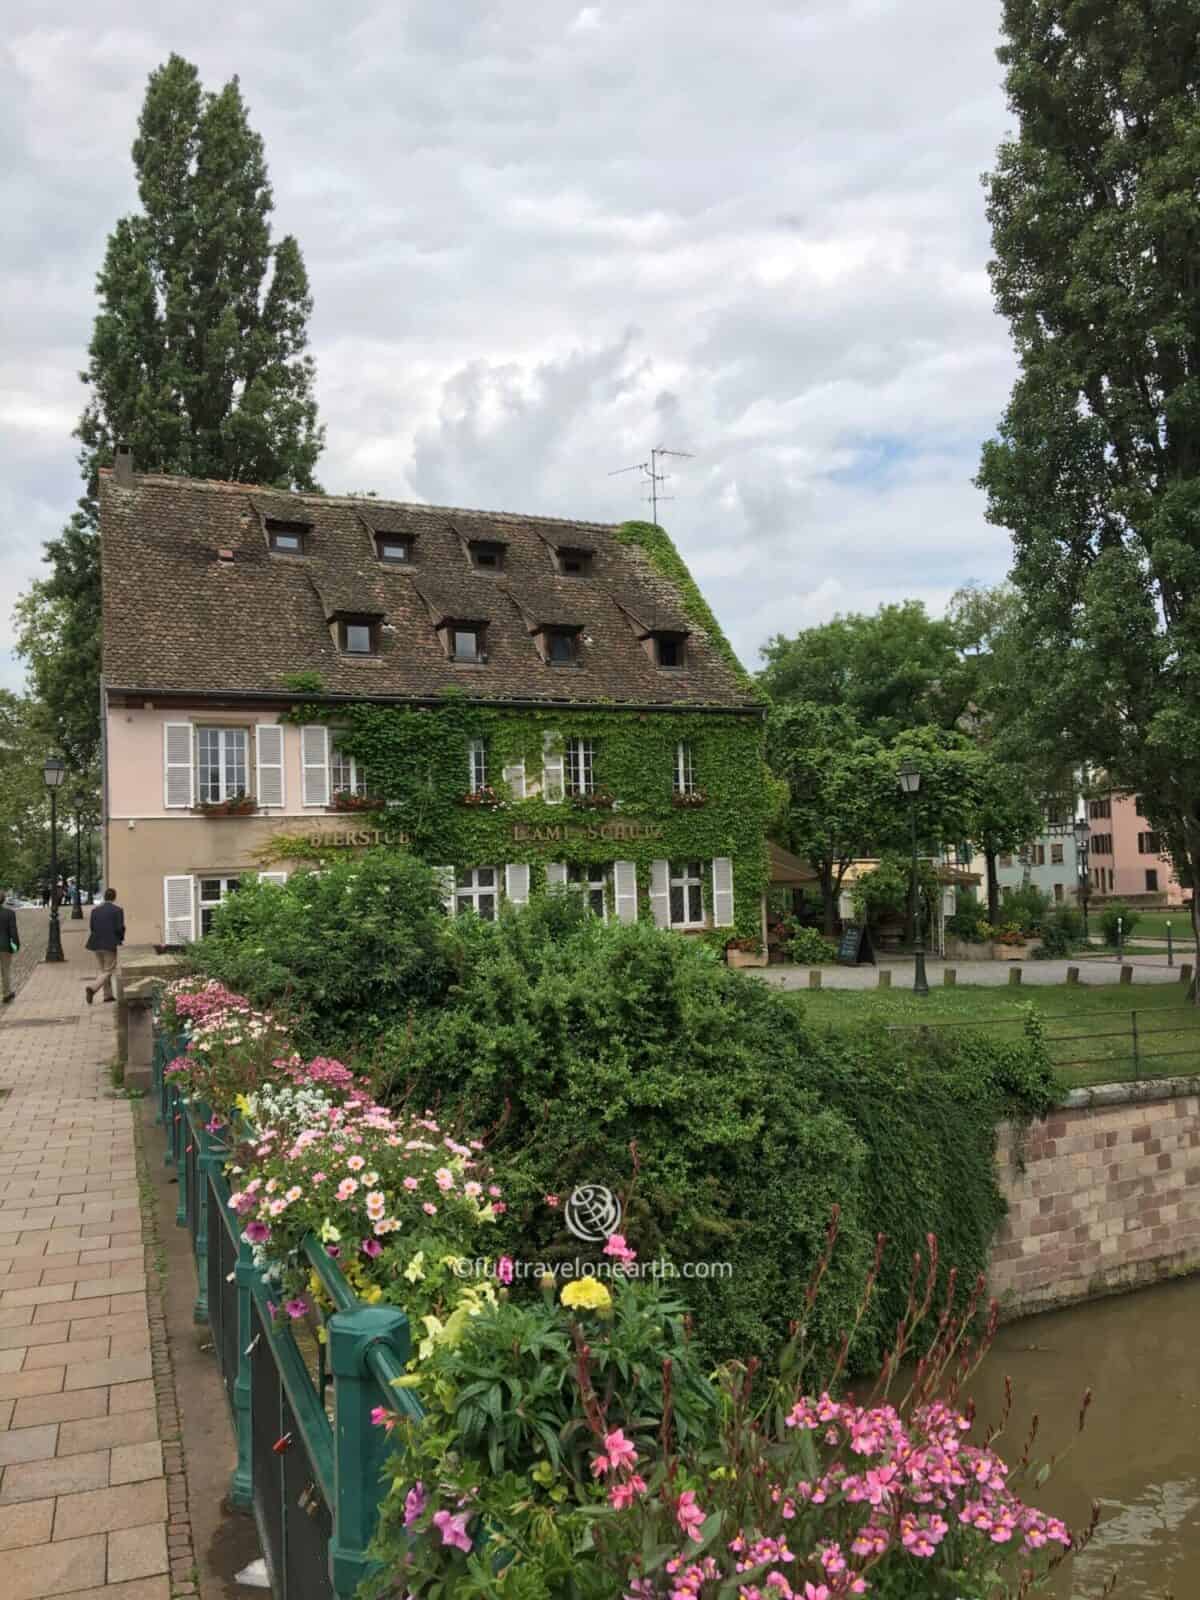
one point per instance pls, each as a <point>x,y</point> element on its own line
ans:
<point>598,800</point>
<point>485,799</point>
<point>689,799</point>
<point>237,805</point>
<point>344,800</point>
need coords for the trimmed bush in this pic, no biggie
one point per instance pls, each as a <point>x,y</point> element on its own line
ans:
<point>807,947</point>
<point>1129,920</point>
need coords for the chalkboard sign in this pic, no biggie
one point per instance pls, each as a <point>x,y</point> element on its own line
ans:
<point>855,947</point>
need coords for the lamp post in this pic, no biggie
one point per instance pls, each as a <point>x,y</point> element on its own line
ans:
<point>910,782</point>
<point>77,897</point>
<point>53,772</point>
<point>1083,832</point>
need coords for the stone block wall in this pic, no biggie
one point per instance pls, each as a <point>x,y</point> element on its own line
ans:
<point>1107,1196</point>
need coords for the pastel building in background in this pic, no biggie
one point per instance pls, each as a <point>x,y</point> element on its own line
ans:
<point>1126,859</point>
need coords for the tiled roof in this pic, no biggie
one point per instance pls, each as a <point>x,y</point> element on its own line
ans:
<point>177,617</point>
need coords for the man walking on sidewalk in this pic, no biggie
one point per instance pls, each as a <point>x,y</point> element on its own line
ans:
<point>10,943</point>
<point>106,937</point>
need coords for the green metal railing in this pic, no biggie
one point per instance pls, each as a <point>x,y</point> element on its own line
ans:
<point>309,1459</point>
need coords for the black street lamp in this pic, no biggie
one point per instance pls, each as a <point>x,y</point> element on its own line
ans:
<point>1082,831</point>
<point>910,782</point>
<point>77,897</point>
<point>53,772</point>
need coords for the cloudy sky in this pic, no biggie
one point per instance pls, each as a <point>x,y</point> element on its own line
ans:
<point>544,237</point>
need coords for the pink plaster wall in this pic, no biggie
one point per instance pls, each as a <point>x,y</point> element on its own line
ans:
<point>135,761</point>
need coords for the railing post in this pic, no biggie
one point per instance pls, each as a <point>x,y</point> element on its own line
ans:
<point>241,1484</point>
<point>359,1448</point>
<point>182,1129</point>
<point>1170,946</point>
<point>208,1164</point>
<point>1137,1071</point>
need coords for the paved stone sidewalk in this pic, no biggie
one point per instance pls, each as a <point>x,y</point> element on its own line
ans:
<point>83,1493</point>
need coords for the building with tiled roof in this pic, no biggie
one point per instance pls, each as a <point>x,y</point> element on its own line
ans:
<point>246,630</point>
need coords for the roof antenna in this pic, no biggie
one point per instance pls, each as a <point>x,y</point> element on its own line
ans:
<point>652,476</point>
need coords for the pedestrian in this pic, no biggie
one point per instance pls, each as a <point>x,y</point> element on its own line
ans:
<point>106,936</point>
<point>10,943</point>
<point>45,895</point>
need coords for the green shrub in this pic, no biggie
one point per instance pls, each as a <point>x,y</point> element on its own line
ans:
<point>807,947</point>
<point>624,1056</point>
<point>969,921</point>
<point>1129,920</point>
<point>1062,930</point>
<point>345,952</point>
<point>1027,908</point>
<point>882,895</point>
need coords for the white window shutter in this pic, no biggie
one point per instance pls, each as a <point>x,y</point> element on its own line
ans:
<point>552,768</point>
<point>556,874</point>
<point>273,877</point>
<point>722,892</point>
<point>179,910</point>
<point>660,893</point>
<point>314,758</point>
<point>514,777</point>
<point>268,754</point>
<point>178,768</point>
<point>445,883</point>
<point>516,883</point>
<point>625,890</point>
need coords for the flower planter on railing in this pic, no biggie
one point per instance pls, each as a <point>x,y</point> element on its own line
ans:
<point>309,1466</point>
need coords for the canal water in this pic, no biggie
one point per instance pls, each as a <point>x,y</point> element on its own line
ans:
<point>1139,1453</point>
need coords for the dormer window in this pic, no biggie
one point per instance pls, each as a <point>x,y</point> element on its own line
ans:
<point>287,538</point>
<point>574,563</point>
<point>561,646</point>
<point>487,555</point>
<point>668,650</point>
<point>466,642</point>
<point>394,549</point>
<point>357,636</point>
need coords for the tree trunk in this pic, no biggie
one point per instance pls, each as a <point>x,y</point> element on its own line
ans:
<point>993,888</point>
<point>829,900</point>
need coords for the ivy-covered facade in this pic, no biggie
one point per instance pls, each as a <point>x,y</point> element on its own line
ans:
<point>522,702</point>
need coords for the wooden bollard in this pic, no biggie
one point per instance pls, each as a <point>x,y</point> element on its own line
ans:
<point>814,977</point>
<point>1185,972</point>
<point>949,977</point>
<point>885,977</point>
<point>1072,974</point>
<point>1126,974</point>
<point>1014,975</point>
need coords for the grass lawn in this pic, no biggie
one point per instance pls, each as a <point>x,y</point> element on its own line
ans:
<point>1153,925</point>
<point>1090,1029</point>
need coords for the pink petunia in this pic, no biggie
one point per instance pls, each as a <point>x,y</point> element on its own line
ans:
<point>414,1503</point>
<point>504,1269</point>
<point>429,1209</point>
<point>372,1248</point>
<point>453,1529</point>
<point>296,1308</point>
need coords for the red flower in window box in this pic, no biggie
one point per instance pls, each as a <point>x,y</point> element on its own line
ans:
<point>237,805</point>
<point>689,799</point>
<point>346,800</point>
<point>598,800</point>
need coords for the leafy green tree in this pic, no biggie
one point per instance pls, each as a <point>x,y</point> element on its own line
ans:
<point>1095,221</point>
<point>897,669</point>
<point>24,812</point>
<point>198,361</point>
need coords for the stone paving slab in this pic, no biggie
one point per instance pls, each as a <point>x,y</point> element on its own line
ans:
<point>83,1491</point>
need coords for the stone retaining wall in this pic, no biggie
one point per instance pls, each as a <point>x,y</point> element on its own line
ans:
<point>1103,1195</point>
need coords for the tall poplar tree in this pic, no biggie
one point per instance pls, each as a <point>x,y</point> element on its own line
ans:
<point>198,361</point>
<point>1095,216</point>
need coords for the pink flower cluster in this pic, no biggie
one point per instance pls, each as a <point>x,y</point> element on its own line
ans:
<point>618,1462</point>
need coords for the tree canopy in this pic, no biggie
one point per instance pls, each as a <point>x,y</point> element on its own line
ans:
<point>198,361</point>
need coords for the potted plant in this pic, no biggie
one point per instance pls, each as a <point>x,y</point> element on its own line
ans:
<point>598,800</point>
<point>235,805</point>
<point>347,800</point>
<point>1009,943</point>
<point>485,798</point>
<point>744,952</point>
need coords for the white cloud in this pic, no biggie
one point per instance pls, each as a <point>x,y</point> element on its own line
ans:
<point>543,239</point>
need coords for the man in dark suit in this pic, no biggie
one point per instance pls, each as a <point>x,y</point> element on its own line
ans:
<point>106,938</point>
<point>10,943</point>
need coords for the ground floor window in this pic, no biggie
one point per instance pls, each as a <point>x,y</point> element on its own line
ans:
<point>212,892</point>
<point>477,889</point>
<point>687,894</point>
<point>591,881</point>
<point>1151,880</point>
<point>1058,891</point>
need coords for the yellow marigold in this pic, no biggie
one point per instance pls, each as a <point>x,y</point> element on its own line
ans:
<point>588,1294</point>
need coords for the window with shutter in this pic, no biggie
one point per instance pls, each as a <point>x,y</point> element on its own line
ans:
<point>178,773</point>
<point>686,897</point>
<point>268,752</point>
<point>625,890</point>
<point>445,882</point>
<point>514,777</point>
<point>722,892</point>
<point>476,765</point>
<point>552,768</point>
<point>179,909</point>
<point>556,874</point>
<point>660,893</point>
<point>314,757</point>
<point>516,883</point>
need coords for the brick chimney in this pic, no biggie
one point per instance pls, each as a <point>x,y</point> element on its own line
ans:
<point>123,467</point>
